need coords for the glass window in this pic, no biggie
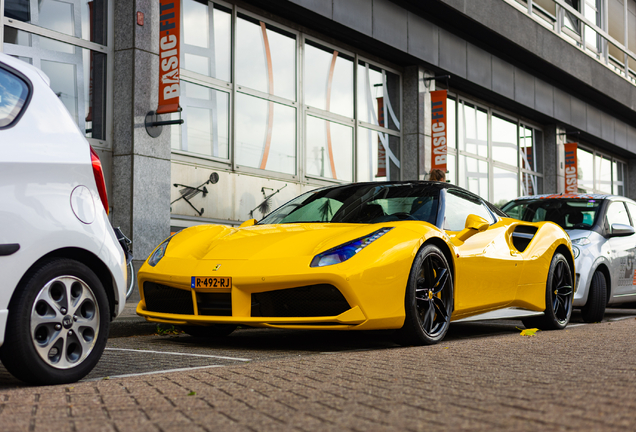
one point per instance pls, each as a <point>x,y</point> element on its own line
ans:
<point>265,134</point>
<point>206,122</point>
<point>265,58</point>
<point>207,35</point>
<point>617,178</point>
<point>378,156</point>
<point>603,174</point>
<point>458,206</point>
<point>84,19</point>
<point>473,129</point>
<point>451,109</point>
<point>504,186</point>
<point>585,170</point>
<point>473,175</point>
<point>378,96</point>
<point>329,149</point>
<point>451,172</point>
<point>13,94</point>
<point>78,76</point>
<point>617,214</point>
<point>328,82</point>
<point>504,141</point>
<point>632,212</point>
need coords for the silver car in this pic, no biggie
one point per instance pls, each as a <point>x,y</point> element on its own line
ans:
<point>601,228</point>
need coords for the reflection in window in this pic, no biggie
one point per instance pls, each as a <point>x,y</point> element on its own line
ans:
<point>457,208</point>
<point>473,175</point>
<point>617,179</point>
<point>206,41</point>
<point>265,58</point>
<point>84,19</point>
<point>328,82</point>
<point>13,95</point>
<point>504,186</point>
<point>603,174</point>
<point>617,214</point>
<point>378,156</point>
<point>473,129</point>
<point>78,76</point>
<point>329,149</point>
<point>585,171</point>
<point>451,109</point>
<point>504,141</point>
<point>206,126</point>
<point>451,174</point>
<point>378,96</point>
<point>265,134</point>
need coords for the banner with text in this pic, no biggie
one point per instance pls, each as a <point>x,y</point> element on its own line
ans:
<point>571,169</point>
<point>438,130</point>
<point>169,51</point>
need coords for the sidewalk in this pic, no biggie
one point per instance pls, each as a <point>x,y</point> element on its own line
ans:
<point>128,323</point>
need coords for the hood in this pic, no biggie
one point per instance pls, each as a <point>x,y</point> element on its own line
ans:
<point>578,233</point>
<point>265,241</point>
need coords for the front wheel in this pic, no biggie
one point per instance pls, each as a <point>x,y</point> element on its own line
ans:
<point>558,297</point>
<point>594,309</point>
<point>58,324</point>
<point>429,299</point>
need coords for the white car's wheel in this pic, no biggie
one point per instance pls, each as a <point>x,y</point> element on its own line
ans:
<point>594,309</point>
<point>58,324</point>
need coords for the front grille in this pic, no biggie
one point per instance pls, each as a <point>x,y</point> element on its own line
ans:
<point>307,301</point>
<point>215,304</point>
<point>165,299</point>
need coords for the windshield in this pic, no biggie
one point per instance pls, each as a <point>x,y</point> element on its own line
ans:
<point>362,203</point>
<point>568,213</point>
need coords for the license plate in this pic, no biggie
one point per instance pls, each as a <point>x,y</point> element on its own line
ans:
<point>212,283</point>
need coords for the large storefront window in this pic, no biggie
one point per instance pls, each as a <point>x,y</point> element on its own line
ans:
<point>244,78</point>
<point>77,73</point>
<point>490,154</point>
<point>599,173</point>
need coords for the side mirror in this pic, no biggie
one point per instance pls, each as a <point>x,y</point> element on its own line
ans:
<point>474,224</point>
<point>621,230</point>
<point>248,223</point>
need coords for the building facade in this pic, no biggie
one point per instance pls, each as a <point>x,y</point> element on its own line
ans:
<point>282,96</point>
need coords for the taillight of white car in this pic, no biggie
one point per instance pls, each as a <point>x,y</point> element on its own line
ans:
<point>98,172</point>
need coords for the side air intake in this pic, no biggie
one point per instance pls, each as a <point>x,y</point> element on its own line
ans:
<point>522,236</point>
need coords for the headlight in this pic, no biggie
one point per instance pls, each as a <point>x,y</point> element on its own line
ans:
<point>159,252</point>
<point>576,251</point>
<point>347,250</point>
<point>582,241</point>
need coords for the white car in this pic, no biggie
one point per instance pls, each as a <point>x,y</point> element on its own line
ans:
<point>601,228</point>
<point>63,268</point>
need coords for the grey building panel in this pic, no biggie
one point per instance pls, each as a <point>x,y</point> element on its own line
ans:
<point>620,134</point>
<point>524,88</point>
<point>390,24</point>
<point>593,121</point>
<point>607,127</point>
<point>452,53</point>
<point>479,66</point>
<point>631,145</point>
<point>562,110</point>
<point>503,77</point>
<point>124,17</point>
<point>357,14</point>
<point>544,97</point>
<point>423,39</point>
<point>579,116</point>
<point>324,8</point>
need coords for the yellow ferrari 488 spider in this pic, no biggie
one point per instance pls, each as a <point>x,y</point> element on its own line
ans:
<point>410,256</point>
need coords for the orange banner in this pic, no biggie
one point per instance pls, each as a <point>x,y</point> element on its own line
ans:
<point>571,169</point>
<point>438,130</point>
<point>169,33</point>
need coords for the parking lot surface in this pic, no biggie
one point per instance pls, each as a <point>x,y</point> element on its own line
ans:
<point>484,376</point>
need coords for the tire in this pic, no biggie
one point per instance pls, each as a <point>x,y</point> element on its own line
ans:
<point>58,324</point>
<point>594,309</point>
<point>558,297</point>
<point>209,332</point>
<point>131,280</point>
<point>428,302</point>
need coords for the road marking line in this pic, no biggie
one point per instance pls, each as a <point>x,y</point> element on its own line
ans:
<point>575,325</point>
<point>155,372</point>
<point>179,354</point>
<point>622,318</point>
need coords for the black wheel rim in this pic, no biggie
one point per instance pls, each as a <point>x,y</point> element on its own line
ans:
<point>433,295</point>
<point>562,292</point>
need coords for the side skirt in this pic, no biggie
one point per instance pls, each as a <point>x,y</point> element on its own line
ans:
<point>512,312</point>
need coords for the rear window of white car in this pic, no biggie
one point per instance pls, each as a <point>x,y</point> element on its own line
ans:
<point>13,95</point>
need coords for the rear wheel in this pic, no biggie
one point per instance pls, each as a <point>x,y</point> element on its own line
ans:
<point>594,309</point>
<point>210,332</point>
<point>558,297</point>
<point>58,324</point>
<point>429,299</point>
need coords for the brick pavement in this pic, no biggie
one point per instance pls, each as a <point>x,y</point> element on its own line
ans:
<point>583,378</point>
